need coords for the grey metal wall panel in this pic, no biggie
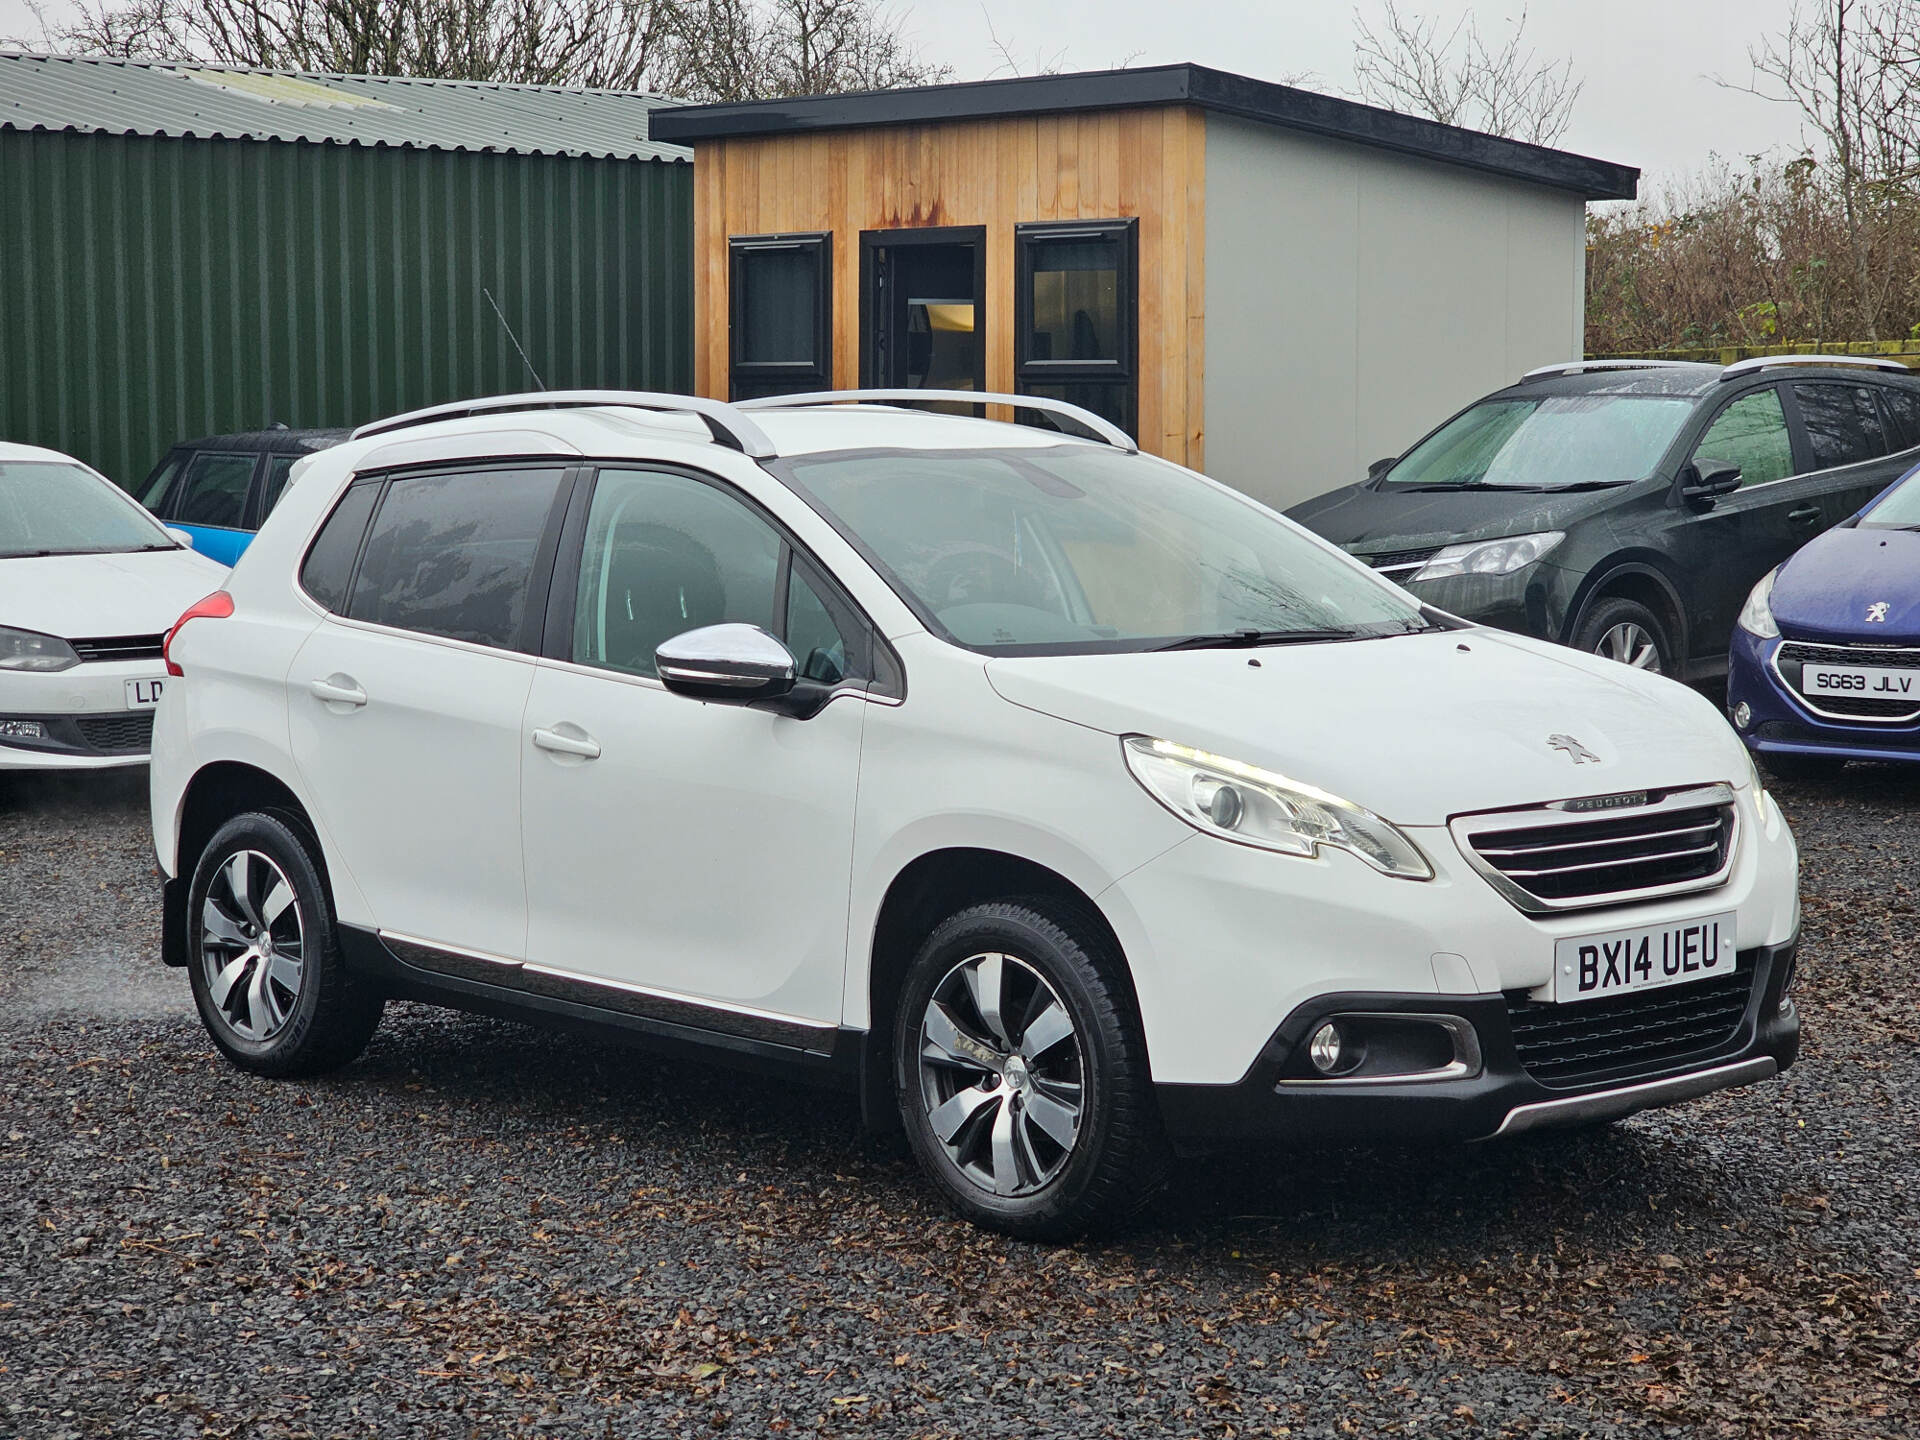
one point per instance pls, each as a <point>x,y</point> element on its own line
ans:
<point>156,289</point>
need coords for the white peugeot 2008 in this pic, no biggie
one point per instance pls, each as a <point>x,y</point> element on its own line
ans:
<point>1073,807</point>
<point>89,583</point>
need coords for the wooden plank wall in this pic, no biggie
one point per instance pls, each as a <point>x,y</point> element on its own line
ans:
<point>1115,164</point>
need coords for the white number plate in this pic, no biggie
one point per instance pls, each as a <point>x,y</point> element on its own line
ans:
<point>1619,962</point>
<point>1870,682</point>
<point>143,694</point>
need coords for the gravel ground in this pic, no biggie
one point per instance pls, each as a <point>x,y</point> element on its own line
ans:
<point>484,1229</point>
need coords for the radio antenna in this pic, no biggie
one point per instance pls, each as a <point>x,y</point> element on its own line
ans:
<point>513,337</point>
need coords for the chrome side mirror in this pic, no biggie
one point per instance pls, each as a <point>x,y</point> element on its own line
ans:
<point>732,664</point>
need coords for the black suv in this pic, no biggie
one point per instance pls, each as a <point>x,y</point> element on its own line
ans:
<point>220,488</point>
<point>1627,507</point>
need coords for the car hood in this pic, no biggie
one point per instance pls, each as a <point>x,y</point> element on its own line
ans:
<point>1373,522</point>
<point>1827,590</point>
<point>1417,728</point>
<point>87,596</point>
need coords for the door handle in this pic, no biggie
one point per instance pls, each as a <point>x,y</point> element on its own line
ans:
<point>1804,514</point>
<point>566,739</point>
<point>338,690</point>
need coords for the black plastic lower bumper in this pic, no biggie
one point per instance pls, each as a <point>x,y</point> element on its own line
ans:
<point>1272,1104</point>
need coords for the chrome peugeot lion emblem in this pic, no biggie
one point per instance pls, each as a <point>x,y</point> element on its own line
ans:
<point>1877,611</point>
<point>1572,749</point>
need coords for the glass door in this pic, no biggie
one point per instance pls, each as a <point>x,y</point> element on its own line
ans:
<point>922,313</point>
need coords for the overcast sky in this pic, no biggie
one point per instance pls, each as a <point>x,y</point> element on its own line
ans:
<point>1650,97</point>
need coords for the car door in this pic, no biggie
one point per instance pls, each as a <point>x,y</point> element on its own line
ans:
<point>1849,443</point>
<point>1724,547</point>
<point>406,703</point>
<point>210,502</point>
<point>684,860</point>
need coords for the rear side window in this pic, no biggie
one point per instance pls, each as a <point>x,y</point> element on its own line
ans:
<point>277,470</point>
<point>214,491</point>
<point>1751,433</point>
<point>453,554</point>
<point>1843,424</point>
<point>1904,406</point>
<point>329,564</point>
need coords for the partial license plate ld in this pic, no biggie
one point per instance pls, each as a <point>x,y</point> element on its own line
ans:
<point>1645,957</point>
<point>144,694</point>
<point>1859,682</point>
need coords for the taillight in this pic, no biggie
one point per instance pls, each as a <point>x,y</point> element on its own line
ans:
<point>217,606</point>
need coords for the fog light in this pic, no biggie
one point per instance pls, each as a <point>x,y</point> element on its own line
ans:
<point>1324,1049</point>
<point>1742,716</point>
<point>22,730</point>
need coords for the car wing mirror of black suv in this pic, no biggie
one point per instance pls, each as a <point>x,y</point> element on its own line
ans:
<point>1704,481</point>
<point>1380,467</point>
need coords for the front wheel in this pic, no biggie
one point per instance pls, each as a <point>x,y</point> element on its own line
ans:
<point>1022,1073</point>
<point>1627,631</point>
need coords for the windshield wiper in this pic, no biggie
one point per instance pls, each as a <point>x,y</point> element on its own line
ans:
<point>1248,639</point>
<point>1469,485</point>
<point>26,554</point>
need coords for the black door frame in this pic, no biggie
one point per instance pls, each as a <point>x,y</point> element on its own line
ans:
<point>876,240</point>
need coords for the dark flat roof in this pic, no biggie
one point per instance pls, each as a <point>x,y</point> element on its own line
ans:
<point>1215,90</point>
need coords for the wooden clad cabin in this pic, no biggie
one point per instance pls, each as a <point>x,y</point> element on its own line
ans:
<point>1265,283</point>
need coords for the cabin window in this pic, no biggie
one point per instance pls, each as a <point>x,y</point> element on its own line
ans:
<point>1076,307</point>
<point>781,321</point>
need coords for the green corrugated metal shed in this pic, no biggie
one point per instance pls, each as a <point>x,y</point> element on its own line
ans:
<point>186,250</point>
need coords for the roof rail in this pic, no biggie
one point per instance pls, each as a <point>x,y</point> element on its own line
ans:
<point>1580,367</point>
<point>728,426</point>
<point>1767,362</point>
<point>1096,428</point>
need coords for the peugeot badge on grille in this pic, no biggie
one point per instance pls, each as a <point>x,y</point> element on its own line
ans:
<point>1877,611</point>
<point>1572,748</point>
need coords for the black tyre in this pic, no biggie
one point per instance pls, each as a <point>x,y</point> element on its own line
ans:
<point>1814,768</point>
<point>263,956</point>
<point>1022,1073</point>
<point>1627,631</point>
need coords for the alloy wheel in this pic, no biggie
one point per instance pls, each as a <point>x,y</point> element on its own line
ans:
<point>252,945</point>
<point>1630,644</point>
<point>1002,1074</point>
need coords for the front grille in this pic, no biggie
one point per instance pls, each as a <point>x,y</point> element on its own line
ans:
<point>117,734</point>
<point>1793,654</point>
<point>118,647</point>
<point>1551,859</point>
<point>1397,560</point>
<point>1590,1040</point>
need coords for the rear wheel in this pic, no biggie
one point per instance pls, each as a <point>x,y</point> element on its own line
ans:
<point>1627,631</point>
<point>1022,1073</point>
<point>262,955</point>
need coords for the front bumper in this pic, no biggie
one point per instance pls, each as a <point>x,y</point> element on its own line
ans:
<point>1779,723</point>
<point>1501,1099</point>
<point>82,715</point>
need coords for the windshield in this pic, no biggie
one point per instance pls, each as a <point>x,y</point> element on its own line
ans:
<point>1078,548</point>
<point>1899,508</point>
<point>1548,443</point>
<point>51,508</point>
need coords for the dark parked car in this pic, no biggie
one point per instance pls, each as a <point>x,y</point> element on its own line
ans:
<point>220,488</point>
<point>1626,508</point>
<point>1826,657</point>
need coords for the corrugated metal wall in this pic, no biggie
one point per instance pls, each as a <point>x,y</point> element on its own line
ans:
<point>152,290</point>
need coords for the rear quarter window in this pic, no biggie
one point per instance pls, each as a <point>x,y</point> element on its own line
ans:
<point>329,564</point>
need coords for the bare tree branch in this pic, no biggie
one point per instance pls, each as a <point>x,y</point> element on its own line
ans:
<point>1411,64</point>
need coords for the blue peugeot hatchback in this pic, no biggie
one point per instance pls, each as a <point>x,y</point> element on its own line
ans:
<point>1825,664</point>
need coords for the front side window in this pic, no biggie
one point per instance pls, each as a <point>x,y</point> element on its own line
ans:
<point>667,553</point>
<point>55,508</point>
<point>214,492</point>
<point>1075,302</point>
<point>154,489</point>
<point>782,297</point>
<point>453,554</point>
<point>1842,423</point>
<point>1750,433</point>
<point>1550,442</point>
<point>1075,548</point>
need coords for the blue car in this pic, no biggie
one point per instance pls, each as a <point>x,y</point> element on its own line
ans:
<point>220,488</point>
<point>1825,665</point>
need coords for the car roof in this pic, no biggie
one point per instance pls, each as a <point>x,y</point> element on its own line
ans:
<point>12,451</point>
<point>1686,379</point>
<point>277,438</point>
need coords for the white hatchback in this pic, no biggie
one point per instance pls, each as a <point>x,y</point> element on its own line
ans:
<point>89,583</point>
<point>1072,807</point>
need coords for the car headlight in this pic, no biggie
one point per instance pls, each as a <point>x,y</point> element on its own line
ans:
<point>29,650</point>
<point>1489,557</point>
<point>1257,807</point>
<point>1756,616</point>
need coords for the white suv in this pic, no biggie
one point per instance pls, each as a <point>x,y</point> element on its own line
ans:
<point>1073,807</point>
